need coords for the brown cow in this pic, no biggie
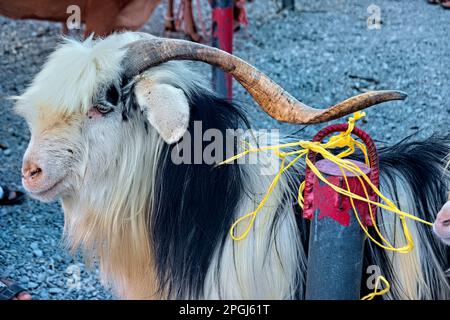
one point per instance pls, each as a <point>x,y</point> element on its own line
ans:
<point>105,17</point>
<point>100,17</point>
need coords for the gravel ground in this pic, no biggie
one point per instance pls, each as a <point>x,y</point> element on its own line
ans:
<point>322,53</point>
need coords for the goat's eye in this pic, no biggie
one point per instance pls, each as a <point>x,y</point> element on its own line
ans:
<point>112,95</point>
<point>103,109</point>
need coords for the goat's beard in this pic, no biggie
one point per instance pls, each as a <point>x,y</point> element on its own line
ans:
<point>109,221</point>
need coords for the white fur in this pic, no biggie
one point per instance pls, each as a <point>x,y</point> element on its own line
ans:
<point>411,272</point>
<point>75,71</point>
<point>260,266</point>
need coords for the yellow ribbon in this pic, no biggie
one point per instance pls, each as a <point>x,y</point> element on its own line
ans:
<point>375,292</point>
<point>341,140</point>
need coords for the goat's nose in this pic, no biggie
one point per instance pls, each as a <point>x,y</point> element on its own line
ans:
<point>442,223</point>
<point>444,218</point>
<point>31,171</point>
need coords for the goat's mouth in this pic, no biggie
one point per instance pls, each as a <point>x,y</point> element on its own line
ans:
<point>445,240</point>
<point>50,193</point>
<point>442,235</point>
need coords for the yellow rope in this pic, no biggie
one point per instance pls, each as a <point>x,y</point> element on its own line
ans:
<point>341,140</point>
<point>375,293</point>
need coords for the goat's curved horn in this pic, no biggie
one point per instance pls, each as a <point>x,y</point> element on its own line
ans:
<point>278,103</point>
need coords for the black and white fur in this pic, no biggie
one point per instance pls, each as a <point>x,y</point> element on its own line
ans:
<point>204,262</point>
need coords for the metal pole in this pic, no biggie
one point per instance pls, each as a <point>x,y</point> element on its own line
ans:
<point>222,38</point>
<point>336,243</point>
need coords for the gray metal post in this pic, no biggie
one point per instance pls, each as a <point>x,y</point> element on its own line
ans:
<point>336,241</point>
<point>335,260</point>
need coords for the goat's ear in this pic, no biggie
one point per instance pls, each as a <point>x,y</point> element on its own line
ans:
<point>166,108</point>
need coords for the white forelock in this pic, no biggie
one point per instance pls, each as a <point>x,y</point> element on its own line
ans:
<point>74,72</point>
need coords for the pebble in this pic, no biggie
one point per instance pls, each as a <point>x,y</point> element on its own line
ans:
<point>37,253</point>
<point>32,285</point>
<point>34,245</point>
<point>41,277</point>
<point>55,290</point>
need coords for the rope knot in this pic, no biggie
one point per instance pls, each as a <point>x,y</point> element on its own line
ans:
<point>341,140</point>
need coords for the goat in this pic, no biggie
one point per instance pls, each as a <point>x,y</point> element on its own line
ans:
<point>106,118</point>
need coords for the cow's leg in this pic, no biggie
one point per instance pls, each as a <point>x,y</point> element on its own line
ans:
<point>239,14</point>
<point>189,24</point>
<point>237,11</point>
<point>169,23</point>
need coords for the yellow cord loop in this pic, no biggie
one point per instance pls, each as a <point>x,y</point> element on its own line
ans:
<point>341,140</point>
<point>375,292</point>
